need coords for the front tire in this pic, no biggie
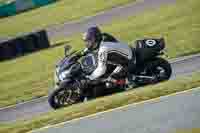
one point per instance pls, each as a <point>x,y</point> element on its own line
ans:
<point>63,97</point>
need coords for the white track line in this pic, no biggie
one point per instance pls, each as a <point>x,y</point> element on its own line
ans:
<point>183,58</point>
<point>31,101</point>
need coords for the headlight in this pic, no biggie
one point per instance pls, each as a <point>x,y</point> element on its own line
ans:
<point>64,74</point>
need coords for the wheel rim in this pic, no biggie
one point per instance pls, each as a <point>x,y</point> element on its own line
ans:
<point>162,72</point>
<point>67,97</point>
<point>159,73</point>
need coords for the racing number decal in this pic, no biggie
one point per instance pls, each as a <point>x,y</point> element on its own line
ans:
<point>150,43</point>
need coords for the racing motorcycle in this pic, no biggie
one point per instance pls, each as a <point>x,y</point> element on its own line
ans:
<point>146,68</point>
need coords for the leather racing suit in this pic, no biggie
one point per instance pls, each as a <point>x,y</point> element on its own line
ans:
<point>113,57</point>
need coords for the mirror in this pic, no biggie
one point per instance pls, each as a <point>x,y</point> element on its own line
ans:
<point>67,49</point>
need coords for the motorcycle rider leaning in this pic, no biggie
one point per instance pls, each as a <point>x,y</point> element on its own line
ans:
<point>112,55</point>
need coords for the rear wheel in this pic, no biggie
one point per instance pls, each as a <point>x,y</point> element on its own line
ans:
<point>62,97</point>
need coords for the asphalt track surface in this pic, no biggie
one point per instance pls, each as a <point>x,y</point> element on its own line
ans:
<point>161,115</point>
<point>37,107</point>
<point>40,106</point>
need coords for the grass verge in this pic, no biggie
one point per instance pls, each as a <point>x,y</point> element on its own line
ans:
<point>102,104</point>
<point>59,12</point>
<point>194,130</point>
<point>3,1</point>
<point>31,76</point>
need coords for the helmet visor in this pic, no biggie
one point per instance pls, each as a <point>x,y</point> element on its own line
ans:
<point>89,40</point>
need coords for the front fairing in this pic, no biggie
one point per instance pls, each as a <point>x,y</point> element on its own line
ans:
<point>73,68</point>
<point>64,64</point>
<point>62,67</point>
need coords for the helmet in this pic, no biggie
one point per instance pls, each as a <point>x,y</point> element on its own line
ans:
<point>92,37</point>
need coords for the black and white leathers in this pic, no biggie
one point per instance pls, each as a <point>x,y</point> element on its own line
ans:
<point>111,53</point>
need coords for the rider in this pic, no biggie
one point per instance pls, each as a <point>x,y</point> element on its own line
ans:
<point>113,56</point>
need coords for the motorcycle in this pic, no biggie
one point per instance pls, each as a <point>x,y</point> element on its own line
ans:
<point>146,68</point>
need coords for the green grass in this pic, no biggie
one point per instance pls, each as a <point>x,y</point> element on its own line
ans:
<point>31,76</point>
<point>3,1</point>
<point>194,130</point>
<point>59,12</point>
<point>102,104</point>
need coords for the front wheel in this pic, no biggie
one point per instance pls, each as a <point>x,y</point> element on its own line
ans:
<point>160,69</point>
<point>62,97</point>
